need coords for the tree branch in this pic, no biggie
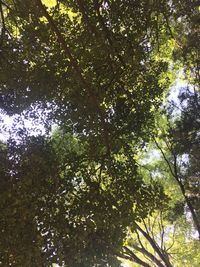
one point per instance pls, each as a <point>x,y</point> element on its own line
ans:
<point>154,246</point>
<point>133,257</point>
<point>165,158</point>
<point>76,67</point>
<point>148,254</point>
<point>3,28</point>
<point>107,34</point>
<point>81,6</point>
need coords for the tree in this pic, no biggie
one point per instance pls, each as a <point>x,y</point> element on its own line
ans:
<point>100,68</point>
<point>181,155</point>
<point>56,201</point>
<point>156,241</point>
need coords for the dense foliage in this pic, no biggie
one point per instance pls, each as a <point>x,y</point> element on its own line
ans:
<point>170,236</point>
<point>99,71</point>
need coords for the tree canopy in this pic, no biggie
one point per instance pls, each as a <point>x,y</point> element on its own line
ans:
<point>100,71</point>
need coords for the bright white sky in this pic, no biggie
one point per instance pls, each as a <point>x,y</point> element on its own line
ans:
<point>8,122</point>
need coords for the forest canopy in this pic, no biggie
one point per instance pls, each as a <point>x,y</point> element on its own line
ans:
<point>116,182</point>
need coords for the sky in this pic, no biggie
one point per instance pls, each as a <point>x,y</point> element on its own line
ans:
<point>7,123</point>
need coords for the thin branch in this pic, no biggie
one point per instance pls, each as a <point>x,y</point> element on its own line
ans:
<point>162,231</point>
<point>173,238</point>
<point>144,251</point>
<point>94,101</point>
<point>181,185</point>
<point>82,8</point>
<point>149,255</point>
<point>154,246</point>
<point>138,237</point>
<point>164,156</point>
<point>106,32</point>
<point>134,258</point>
<point>63,42</point>
<point>4,4</point>
<point>187,200</point>
<point>146,228</point>
<point>3,22</point>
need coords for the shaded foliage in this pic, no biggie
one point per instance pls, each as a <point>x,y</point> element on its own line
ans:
<point>100,67</point>
<point>55,201</point>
